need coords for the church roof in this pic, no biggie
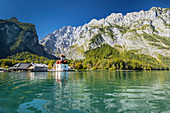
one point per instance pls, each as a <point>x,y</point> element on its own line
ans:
<point>61,62</point>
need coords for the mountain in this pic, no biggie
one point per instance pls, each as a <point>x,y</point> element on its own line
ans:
<point>18,37</point>
<point>146,32</point>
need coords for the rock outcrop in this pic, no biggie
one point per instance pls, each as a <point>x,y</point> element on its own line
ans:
<point>147,32</point>
<point>18,37</point>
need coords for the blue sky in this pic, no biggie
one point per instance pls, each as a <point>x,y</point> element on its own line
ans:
<point>49,15</point>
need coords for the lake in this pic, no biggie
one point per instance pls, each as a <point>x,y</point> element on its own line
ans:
<point>85,92</point>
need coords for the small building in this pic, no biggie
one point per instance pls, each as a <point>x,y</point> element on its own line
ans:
<point>19,67</point>
<point>38,67</point>
<point>62,65</point>
<point>2,69</point>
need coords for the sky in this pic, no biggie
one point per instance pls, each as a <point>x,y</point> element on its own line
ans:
<point>50,15</point>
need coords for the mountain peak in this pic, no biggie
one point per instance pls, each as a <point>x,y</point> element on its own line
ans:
<point>147,32</point>
<point>19,37</point>
<point>13,19</point>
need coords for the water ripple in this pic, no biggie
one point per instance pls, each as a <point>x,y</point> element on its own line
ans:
<point>101,92</point>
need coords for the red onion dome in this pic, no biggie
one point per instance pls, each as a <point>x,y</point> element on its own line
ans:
<point>62,56</point>
<point>65,61</point>
<point>61,62</point>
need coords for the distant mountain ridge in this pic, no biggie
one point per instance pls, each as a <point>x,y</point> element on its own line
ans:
<point>146,32</point>
<point>17,37</point>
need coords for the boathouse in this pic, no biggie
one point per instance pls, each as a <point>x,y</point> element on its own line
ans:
<point>19,67</point>
<point>2,69</point>
<point>62,65</point>
<point>38,67</point>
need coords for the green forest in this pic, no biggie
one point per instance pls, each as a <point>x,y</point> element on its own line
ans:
<point>104,57</point>
<point>25,57</point>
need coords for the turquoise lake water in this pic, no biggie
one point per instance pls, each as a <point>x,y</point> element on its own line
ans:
<point>85,92</point>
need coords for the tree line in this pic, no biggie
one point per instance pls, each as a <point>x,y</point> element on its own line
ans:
<point>25,57</point>
<point>104,57</point>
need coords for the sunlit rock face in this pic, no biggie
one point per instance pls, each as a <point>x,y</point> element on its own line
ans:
<point>147,32</point>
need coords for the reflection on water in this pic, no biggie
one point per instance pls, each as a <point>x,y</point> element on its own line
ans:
<point>61,78</point>
<point>95,91</point>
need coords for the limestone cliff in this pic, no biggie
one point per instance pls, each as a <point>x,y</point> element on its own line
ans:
<point>146,32</point>
<point>18,37</point>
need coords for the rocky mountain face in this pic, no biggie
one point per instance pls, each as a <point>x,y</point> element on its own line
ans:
<point>18,37</point>
<point>146,32</point>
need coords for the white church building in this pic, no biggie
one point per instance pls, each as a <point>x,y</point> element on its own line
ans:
<point>62,65</point>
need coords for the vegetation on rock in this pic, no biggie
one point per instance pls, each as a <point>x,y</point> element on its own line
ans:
<point>19,37</point>
<point>106,57</point>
